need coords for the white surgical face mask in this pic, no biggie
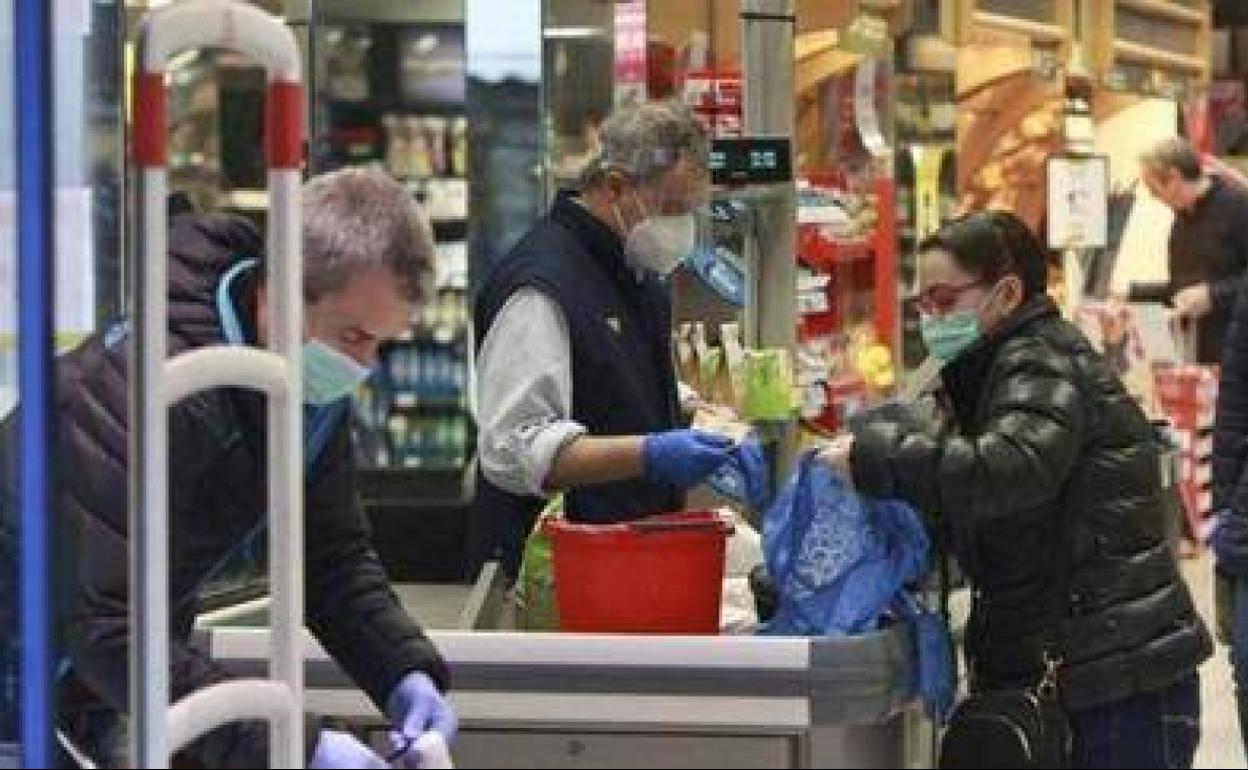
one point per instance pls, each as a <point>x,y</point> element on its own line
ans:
<point>329,374</point>
<point>659,242</point>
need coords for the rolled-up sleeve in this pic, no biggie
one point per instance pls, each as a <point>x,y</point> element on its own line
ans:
<point>524,393</point>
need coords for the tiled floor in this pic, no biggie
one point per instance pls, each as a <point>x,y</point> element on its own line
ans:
<point>1220,744</point>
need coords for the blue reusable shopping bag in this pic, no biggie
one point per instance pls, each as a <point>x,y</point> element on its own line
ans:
<point>837,559</point>
<point>840,564</point>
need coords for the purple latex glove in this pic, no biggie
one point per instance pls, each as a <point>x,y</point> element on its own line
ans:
<point>336,749</point>
<point>684,458</point>
<point>416,706</point>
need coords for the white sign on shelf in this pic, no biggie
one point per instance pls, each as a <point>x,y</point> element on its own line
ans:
<point>1078,198</point>
<point>1153,324</point>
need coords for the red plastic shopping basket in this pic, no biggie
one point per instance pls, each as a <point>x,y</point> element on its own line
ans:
<point>659,575</point>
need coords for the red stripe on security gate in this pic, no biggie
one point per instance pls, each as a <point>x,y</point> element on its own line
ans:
<point>283,125</point>
<point>149,119</point>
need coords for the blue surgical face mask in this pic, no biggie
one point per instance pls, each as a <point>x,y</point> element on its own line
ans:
<point>329,374</point>
<point>947,337</point>
<point>950,335</point>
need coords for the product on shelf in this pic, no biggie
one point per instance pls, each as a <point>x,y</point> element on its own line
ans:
<point>397,147</point>
<point>347,76</point>
<point>459,147</point>
<point>436,135</point>
<point>734,365</point>
<point>769,388</point>
<point>420,163</point>
<point>716,99</point>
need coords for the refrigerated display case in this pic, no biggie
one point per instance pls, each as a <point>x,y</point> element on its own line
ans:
<point>388,86</point>
<point>391,90</point>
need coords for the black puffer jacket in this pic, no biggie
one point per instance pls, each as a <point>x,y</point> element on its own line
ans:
<point>1230,436</point>
<point>1045,434</point>
<point>217,488</point>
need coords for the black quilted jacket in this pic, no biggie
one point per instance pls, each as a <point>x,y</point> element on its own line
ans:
<point>1051,464</point>
<point>217,488</point>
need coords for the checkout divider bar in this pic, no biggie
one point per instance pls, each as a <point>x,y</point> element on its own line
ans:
<point>157,730</point>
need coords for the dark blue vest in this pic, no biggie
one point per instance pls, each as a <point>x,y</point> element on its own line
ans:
<point>623,381</point>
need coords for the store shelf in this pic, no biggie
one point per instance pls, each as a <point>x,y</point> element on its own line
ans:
<point>817,57</point>
<point>246,200</point>
<point>823,255</point>
<point>413,486</point>
<point>1166,9</point>
<point>1146,54</point>
<point>931,53</point>
<point>427,336</point>
<point>1034,30</point>
<point>408,401</point>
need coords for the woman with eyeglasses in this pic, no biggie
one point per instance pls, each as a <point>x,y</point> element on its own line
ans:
<point>1046,486</point>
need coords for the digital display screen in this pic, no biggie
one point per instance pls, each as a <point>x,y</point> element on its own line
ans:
<point>751,160</point>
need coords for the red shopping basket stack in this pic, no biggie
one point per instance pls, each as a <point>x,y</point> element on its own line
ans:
<point>659,575</point>
<point>1188,395</point>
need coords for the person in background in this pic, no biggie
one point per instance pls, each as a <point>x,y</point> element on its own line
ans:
<point>1047,485</point>
<point>1208,243</point>
<point>1230,502</point>
<point>576,385</point>
<point>367,250</point>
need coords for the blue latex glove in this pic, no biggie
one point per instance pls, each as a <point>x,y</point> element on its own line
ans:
<point>337,749</point>
<point>684,458</point>
<point>745,477</point>
<point>414,707</point>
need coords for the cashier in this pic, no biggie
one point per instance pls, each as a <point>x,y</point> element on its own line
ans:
<point>576,388</point>
<point>367,252</point>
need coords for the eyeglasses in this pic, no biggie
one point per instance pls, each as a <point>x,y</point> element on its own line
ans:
<point>940,298</point>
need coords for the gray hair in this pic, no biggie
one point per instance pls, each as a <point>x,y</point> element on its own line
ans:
<point>359,218</point>
<point>646,140</point>
<point>1174,153</point>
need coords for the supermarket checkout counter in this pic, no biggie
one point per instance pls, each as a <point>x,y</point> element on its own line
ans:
<point>589,700</point>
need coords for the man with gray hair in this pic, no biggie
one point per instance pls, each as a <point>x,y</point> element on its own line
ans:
<point>576,388</point>
<point>1208,243</point>
<point>367,251</point>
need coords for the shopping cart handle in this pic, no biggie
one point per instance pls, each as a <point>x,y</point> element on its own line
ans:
<point>205,710</point>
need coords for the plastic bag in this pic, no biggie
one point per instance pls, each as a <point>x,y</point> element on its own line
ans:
<point>744,478</point>
<point>535,588</point>
<point>837,560</point>
<point>742,553</point>
<point>934,679</point>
